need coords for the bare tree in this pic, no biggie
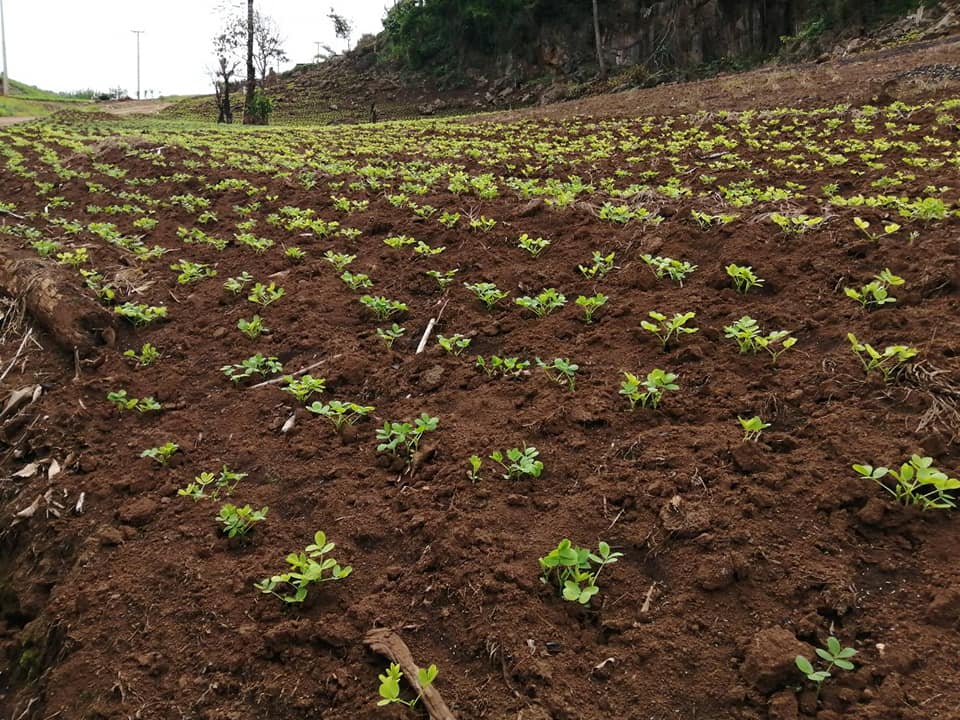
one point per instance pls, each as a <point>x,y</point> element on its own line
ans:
<point>268,45</point>
<point>226,46</point>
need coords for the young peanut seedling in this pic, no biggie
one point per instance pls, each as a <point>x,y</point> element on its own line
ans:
<point>303,387</point>
<point>746,333</point>
<point>390,685</point>
<point>123,402</point>
<point>338,260</point>
<point>398,241</point>
<point>225,481</point>
<point>561,371</point>
<point>162,453</point>
<point>252,328</point>
<point>381,307</point>
<point>402,440</point>
<point>191,272</point>
<point>876,292</point>
<point>254,365</point>
<point>238,283</point>
<point>534,246</point>
<point>510,367</point>
<point>147,356</point>
<point>356,281</point>
<point>889,363</point>
<point>864,227</point>
<point>340,413</point>
<point>455,344</point>
<point>743,277</point>
<point>140,314</point>
<point>599,268</point>
<point>424,250</point>
<point>917,482</point>
<point>265,294</point>
<point>834,654</point>
<point>238,521</point>
<point>657,382</point>
<point>571,569</point>
<point>662,267</point>
<point>444,278</point>
<point>518,462</point>
<point>295,255</point>
<point>752,427</point>
<point>546,301</point>
<point>590,305</point>
<point>476,462</point>
<point>390,335</point>
<point>667,328</point>
<point>306,568</point>
<point>487,293</point>
<point>796,224</point>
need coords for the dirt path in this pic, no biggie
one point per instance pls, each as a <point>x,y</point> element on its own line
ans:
<point>134,107</point>
<point>4,121</point>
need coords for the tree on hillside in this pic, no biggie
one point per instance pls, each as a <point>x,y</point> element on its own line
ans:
<point>250,115</point>
<point>226,47</point>
<point>342,27</point>
<point>596,35</point>
<point>268,45</point>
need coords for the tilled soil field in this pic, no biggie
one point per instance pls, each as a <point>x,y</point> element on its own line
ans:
<point>122,597</point>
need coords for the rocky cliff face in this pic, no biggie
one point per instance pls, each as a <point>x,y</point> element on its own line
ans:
<point>684,34</point>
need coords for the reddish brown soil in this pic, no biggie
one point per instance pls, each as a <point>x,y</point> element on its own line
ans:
<point>733,552</point>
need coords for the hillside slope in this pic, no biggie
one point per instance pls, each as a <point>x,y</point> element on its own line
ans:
<point>367,84</point>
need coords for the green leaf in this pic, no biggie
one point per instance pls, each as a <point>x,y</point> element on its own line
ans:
<point>804,665</point>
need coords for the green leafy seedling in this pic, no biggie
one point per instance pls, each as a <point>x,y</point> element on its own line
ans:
<point>591,304</point>
<point>834,654</point>
<point>390,335</point>
<point>668,328</point>
<point>744,279</point>
<point>518,462</point>
<point>455,344</point>
<point>162,453</point>
<point>476,462</point>
<point>238,521</point>
<point>917,482</point>
<point>487,293</point>
<point>390,685</point>
<point>561,371</point>
<point>306,568</point>
<point>752,427</point>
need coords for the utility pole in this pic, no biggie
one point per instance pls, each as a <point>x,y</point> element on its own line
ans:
<point>5,88</point>
<point>316,58</point>
<point>138,33</point>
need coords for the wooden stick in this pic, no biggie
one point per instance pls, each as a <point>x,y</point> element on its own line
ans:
<point>17,355</point>
<point>426,336</point>
<point>386,642</point>
<point>430,326</point>
<point>298,373</point>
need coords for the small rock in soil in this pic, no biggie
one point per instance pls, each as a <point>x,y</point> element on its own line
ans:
<point>769,660</point>
<point>783,706</point>
<point>944,609</point>
<point>138,512</point>
<point>712,575</point>
<point>109,536</point>
<point>872,513</point>
<point>748,458</point>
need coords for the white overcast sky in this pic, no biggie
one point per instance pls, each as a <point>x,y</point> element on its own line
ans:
<point>65,45</point>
